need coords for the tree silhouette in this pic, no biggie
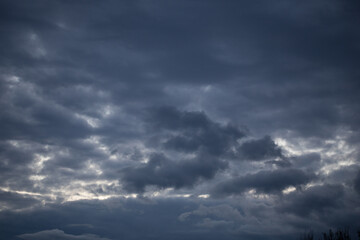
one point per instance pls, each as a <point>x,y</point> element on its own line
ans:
<point>340,234</point>
<point>308,236</point>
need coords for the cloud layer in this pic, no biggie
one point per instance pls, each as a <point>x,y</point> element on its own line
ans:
<point>178,119</point>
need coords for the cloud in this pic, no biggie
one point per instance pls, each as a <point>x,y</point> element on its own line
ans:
<point>357,182</point>
<point>263,182</point>
<point>345,175</point>
<point>183,132</point>
<point>151,97</point>
<point>260,149</point>
<point>308,161</point>
<point>15,201</point>
<point>192,131</point>
<point>219,212</point>
<point>317,199</point>
<point>162,172</point>
<point>112,219</point>
<point>189,218</point>
<point>58,234</point>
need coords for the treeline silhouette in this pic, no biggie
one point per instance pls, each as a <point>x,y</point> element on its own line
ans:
<point>340,234</point>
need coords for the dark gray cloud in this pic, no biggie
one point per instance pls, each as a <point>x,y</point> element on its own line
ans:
<point>310,160</point>
<point>112,219</point>
<point>315,199</point>
<point>178,218</point>
<point>218,216</point>
<point>264,182</point>
<point>162,172</point>
<point>192,131</point>
<point>345,175</point>
<point>183,132</point>
<point>100,99</point>
<point>15,201</point>
<point>260,149</point>
<point>357,182</point>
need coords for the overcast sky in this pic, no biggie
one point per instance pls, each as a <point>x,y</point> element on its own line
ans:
<point>172,120</point>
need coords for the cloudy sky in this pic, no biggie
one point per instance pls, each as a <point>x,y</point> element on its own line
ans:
<point>195,119</point>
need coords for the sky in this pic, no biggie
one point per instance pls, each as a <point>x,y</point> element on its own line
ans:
<point>194,119</point>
